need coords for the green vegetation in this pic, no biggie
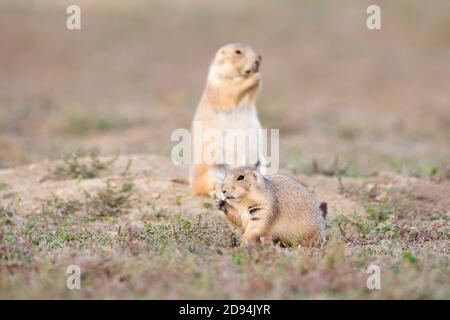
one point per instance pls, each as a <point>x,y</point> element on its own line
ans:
<point>80,164</point>
<point>3,186</point>
<point>81,124</point>
<point>110,201</point>
<point>197,256</point>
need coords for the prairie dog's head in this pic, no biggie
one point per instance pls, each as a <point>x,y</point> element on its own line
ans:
<point>240,182</point>
<point>235,60</point>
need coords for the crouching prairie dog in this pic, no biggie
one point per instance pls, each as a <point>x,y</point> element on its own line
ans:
<point>274,206</point>
<point>228,102</point>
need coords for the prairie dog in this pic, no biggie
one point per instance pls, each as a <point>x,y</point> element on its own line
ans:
<point>276,206</point>
<point>228,102</point>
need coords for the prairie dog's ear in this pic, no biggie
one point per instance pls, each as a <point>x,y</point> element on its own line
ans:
<point>257,165</point>
<point>256,175</point>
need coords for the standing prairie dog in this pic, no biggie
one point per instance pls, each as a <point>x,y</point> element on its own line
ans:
<point>275,206</point>
<point>228,102</point>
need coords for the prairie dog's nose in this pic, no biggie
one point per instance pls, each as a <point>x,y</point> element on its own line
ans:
<point>223,197</point>
<point>257,63</point>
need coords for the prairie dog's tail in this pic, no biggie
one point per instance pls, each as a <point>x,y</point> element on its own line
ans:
<point>324,208</point>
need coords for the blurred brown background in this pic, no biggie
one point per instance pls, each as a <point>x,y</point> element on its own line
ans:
<point>379,100</point>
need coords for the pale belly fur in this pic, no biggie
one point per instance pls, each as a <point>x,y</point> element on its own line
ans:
<point>241,136</point>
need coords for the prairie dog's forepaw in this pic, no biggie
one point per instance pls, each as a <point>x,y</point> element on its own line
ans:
<point>257,76</point>
<point>221,205</point>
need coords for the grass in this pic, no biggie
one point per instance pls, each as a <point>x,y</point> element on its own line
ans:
<point>408,166</point>
<point>8,208</point>
<point>131,242</point>
<point>349,164</point>
<point>110,201</point>
<point>156,212</point>
<point>55,206</point>
<point>3,186</point>
<point>80,164</point>
<point>168,254</point>
<point>334,166</point>
<point>82,125</point>
<point>441,171</point>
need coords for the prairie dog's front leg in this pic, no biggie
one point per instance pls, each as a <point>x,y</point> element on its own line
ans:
<point>233,218</point>
<point>233,91</point>
<point>231,214</point>
<point>257,226</point>
<point>249,83</point>
<point>246,85</point>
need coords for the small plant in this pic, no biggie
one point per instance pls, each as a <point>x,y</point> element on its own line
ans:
<point>364,225</point>
<point>332,168</point>
<point>155,211</point>
<point>385,228</point>
<point>185,227</point>
<point>10,209</point>
<point>158,236</point>
<point>58,207</point>
<point>433,171</point>
<point>59,237</point>
<point>127,186</point>
<point>3,186</point>
<point>440,215</point>
<point>82,124</point>
<point>207,205</point>
<point>110,201</point>
<point>6,221</point>
<point>7,211</point>
<point>80,164</point>
<point>237,257</point>
<point>409,257</point>
<point>379,211</point>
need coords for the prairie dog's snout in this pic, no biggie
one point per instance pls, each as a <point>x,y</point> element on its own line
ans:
<point>223,196</point>
<point>258,62</point>
<point>255,66</point>
<point>226,194</point>
<point>222,192</point>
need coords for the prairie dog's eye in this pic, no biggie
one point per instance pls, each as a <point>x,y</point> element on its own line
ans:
<point>241,177</point>
<point>238,51</point>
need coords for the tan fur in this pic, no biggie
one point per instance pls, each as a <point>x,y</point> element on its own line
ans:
<point>275,206</point>
<point>232,87</point>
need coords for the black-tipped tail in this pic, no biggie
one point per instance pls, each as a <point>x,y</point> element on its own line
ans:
<point>324,208</point>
